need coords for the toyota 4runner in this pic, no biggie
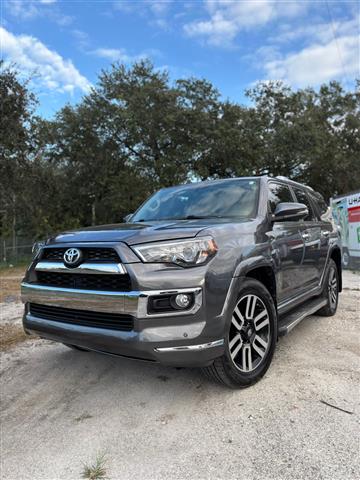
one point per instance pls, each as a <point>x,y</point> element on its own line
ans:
<point>204,275</point>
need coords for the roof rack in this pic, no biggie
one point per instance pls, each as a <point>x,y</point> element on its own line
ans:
<point>281,177</point>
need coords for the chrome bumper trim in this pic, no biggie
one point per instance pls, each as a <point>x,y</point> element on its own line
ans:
<point>203,346</point>
<point>132,303</point>
<point>143,302</point>
<point>108,268</point>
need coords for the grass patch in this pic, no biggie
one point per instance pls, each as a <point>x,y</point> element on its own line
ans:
<point>10,279</point>
<point>12,335</point>
<point>96,470</point>
<point>22,263</point>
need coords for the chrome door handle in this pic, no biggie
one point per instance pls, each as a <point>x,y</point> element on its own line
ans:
<point>325,233</point>
<point>305,236</point>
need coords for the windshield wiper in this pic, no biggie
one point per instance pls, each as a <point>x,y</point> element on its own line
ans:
<point>199,217</point>
<point>154,219</point>
<point>189,217</point>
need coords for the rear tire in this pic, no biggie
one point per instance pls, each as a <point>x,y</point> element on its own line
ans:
<point>75,347</point>
<point>346,260</point>
<point>331,291</point>
<point>250,339</point>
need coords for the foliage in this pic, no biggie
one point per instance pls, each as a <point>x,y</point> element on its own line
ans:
<point>96,470</point>
<point>136,132</point>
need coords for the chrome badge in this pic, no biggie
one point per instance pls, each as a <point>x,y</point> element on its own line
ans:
<point>72,257</point>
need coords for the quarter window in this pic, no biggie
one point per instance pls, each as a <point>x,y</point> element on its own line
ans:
<point>278,193</point>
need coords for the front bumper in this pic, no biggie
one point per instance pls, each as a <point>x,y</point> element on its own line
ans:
<point>132,303</point>
<point>181,338</point>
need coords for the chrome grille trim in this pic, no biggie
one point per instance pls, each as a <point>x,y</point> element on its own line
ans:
<point>91,253</point>
<point>108,268</point>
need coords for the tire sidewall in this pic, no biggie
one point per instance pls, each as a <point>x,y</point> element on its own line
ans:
<point>346,258</point>
<point>332,266</point>
<point>251,286</point>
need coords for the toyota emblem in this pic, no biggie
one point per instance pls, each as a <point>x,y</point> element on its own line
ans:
<point>72,257</point>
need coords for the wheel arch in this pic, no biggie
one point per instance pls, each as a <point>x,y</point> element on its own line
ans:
<point>265,275</point>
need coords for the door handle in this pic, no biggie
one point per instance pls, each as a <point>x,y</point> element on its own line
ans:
<point>305,236</point>
<point>325,233</point>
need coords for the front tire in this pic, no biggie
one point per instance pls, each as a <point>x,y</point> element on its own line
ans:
<point>250,338</point>
<point>331,291</point>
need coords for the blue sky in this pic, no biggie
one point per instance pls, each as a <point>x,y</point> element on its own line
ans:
<point>231,43</point>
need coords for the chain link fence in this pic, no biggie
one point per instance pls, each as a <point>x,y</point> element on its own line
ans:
<point>15,251</point>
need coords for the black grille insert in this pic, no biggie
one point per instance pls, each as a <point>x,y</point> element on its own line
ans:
<point>90,254</point>
<point>85,318</point>
<point>84,281</point>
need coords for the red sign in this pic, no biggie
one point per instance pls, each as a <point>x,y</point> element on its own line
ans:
<point>354,214</point>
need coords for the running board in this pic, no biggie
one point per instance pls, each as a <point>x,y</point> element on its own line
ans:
<point>289,321</point>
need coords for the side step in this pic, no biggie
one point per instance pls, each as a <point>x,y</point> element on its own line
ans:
<point>289,321</point>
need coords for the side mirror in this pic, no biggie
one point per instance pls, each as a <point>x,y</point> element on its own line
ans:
<point>127,217</point>
<point>290,211</point>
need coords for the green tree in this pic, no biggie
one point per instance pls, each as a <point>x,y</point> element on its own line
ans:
<point>136,132</point>
<point>309,136</point>
<point>17,108</point>
<point>147,120</point>
<point>98,183</point>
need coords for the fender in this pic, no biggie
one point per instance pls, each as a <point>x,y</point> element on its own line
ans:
<point>240,273</point>
<point>251,263</point>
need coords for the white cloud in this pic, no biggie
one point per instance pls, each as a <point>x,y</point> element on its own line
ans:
<point>229,17</point>
<point>155,10</point>
<point>318,63</point>
<point>120,54</point>
<point>322,32</point>
<point>82,38</point>
<point>159,7</point>
<point>113,54</point>
<point>20,9</point>
<point>31,9</point>
<point>31,55</point>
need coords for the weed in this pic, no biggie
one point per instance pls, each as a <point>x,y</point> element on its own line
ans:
<point>97,470</point>
<point>82,417</point>
<point>11,335</point>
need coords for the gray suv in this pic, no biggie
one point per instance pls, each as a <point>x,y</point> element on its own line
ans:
<point>204,275</point>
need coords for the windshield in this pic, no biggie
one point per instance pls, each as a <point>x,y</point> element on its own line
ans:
<point>221,199</point>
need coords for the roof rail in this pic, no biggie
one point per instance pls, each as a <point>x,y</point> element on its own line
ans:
<point>281,177</point>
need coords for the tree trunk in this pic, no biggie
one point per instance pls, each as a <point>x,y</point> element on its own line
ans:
<point>93,213</point>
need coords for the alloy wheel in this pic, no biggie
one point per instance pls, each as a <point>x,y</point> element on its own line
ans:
<point>249,335</point>
<point>346,258</point>
<point>332,288</point>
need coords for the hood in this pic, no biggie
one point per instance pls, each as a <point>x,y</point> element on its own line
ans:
<point>134,233</point>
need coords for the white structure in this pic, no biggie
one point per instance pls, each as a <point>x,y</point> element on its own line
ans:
<point>346,214</point>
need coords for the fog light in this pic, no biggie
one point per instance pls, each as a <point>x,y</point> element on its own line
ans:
<point>183,300</point>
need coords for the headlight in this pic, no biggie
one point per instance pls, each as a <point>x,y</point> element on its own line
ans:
<point>37,246</point>
<point>186,253</point>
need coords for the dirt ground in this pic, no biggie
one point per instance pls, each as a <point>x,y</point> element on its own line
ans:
<point>10,279</point>
<point>61,408</point>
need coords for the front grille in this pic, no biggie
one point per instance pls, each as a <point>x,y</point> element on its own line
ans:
<point>83,281</point>
<point>86,318</point>
<point>90,254</point>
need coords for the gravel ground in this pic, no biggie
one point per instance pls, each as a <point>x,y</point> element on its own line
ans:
<point>60,408</point>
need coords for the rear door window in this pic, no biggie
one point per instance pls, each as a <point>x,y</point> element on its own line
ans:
<point>278,193</point>
<point>322,208</point>
<point>303,198</point>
